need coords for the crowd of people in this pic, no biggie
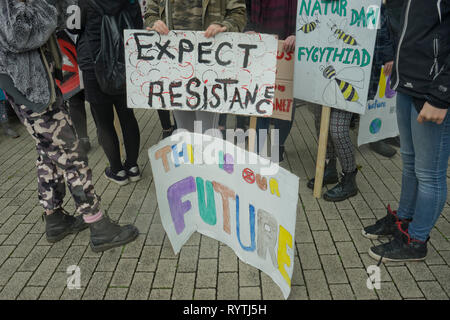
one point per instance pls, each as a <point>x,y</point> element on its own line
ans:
<point>413,46</point>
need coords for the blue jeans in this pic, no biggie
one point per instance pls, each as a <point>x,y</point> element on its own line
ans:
<point>425,150</point>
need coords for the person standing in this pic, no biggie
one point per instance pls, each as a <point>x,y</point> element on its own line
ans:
<point>211,16</point>
<point>28,54</point>
<point>103,104</point>
<point>421,76</point>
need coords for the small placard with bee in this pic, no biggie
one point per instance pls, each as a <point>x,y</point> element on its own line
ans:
<point>334,50</point>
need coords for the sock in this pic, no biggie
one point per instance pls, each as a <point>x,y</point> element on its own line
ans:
<point>91,218</point>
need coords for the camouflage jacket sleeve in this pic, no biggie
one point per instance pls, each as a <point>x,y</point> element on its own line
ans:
<point>235,16</point>
<point>152,13</point>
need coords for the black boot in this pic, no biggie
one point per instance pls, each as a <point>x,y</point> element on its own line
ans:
<point>106,234</point>
<point>60,224</point>
<point>382,148</point>
<point>330,175</point>
<point>343,190</point>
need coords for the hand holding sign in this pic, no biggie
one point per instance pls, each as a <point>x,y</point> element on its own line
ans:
<point>160,27</point>
<point>214,29</point>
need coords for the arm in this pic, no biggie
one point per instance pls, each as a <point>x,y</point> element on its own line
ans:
<point>26,26</point>
<point>151,14</point>
<point>235,16</point>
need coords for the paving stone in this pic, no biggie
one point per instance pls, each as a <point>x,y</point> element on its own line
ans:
<point>8,269</point>
<point>309,257</point>
<point>160,294</point>
<point>349,256</point>
<point>207,273</point>
<point>188,259</point>
<point>298,293</point>
<point>388,291</point>
<point>55,287</point>
<point>250,293</point>
<point>44,272</point>
<point>149,259</point>
<point>270,290</point>
<point>18,234</point>
<point>358,281</point>
<point>116,293</point>
<point>248,275</point>
<point>72,257</point>
<point>338,230</point>
<point>33,260</point>
<point>442,274</point>
<point>167,250</point>
<point>109,260</point>
<point>432,290</point>
<point>405,282</point>
<point>316,221</point>
<point>317,285</point>
<point>420,271</point>
<point>5,252</point>
<point>15,285</point>
<point>165,274</point>
<point>97,286</point>
<point>341,292</point>
<point>228,286</point>
<point>25,247</point>
<point>324,242</point>
<point>155,235</point>
<point>209,248</point>
<point>30,293</point>
<point>124,272</point>
<point>333,268</point>
<point>228,261</point>
<point>183,288</point>
<point>141,286</point>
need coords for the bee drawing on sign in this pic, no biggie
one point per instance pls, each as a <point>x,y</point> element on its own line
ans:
<point>341,90</point>
<point>308,24</point>
<point>340,35</point>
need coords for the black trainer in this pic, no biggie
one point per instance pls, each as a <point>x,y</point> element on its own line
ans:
<point>402,248</point>
<point>133,173</point>
<point>121,177</point>
<point>106,234</point>
<point>384,227</point>
<point>345,189</point>
<point>60,224</point>
<point>330,175</point>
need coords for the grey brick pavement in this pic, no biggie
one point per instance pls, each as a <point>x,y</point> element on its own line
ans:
<point>331,254</point>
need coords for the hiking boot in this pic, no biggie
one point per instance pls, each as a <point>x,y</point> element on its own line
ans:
<point>133,173</point>
<point>8,131</point>
<point>384,227</point>
<point>121,177</point>
<point>330,175</point>
<point>382,148</point>
<point>395,141</point>
<point>106,234</point>
<point>60,224</point>
<point>401,248</point>
<point>345,189</point>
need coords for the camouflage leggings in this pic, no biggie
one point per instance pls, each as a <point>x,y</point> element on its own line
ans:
<point>59,159</point>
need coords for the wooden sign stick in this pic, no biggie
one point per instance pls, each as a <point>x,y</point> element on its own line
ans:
<point>322,151</point>
<point>252,134</point>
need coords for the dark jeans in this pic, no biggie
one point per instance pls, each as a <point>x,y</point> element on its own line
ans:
<point>164,118</point>
<point>102,107</point>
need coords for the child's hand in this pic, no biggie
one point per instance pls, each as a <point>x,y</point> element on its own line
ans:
<point>388,68</point>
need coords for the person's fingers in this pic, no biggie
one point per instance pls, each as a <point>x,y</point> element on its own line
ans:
<point>420,118</point>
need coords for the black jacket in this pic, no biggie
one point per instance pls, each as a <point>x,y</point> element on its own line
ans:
<point>88,44</point>
<point>422,63</point>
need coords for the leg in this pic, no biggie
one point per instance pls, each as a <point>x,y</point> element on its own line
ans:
<point>130,131</point>
<point>164,118</point>
<point>59,154</point>
<point>77,111</point>
<point>432,150</point>
<point>185,120</point>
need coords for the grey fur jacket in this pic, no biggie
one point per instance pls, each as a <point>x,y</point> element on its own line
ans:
<point>24,28</point>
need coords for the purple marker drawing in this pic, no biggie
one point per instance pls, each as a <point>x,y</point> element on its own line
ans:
<point>178,208</point>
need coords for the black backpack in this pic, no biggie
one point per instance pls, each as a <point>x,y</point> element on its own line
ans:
<point>110,61</point>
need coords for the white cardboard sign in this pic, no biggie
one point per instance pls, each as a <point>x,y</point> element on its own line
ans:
<point>230,73</point>
<point>201,187</point>
<point>335,44</point>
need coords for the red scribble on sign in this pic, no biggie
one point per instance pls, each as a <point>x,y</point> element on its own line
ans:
<point>249,175</point>
<point>71,84</point>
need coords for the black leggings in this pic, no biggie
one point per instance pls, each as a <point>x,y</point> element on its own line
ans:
<point>77,112</point>
<point>107,136</point>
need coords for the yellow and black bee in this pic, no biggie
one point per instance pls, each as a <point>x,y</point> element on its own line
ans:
<point>307,25</point>
<point>343,85</point>
<point>340,34</point>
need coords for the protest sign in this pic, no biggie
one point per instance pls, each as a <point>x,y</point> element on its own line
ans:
<point>230,73</point>
<point>72,83</point>
<point>380,120</point>
<point>284,87</point>
<point>335,44</point>
<point>211,186</point>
